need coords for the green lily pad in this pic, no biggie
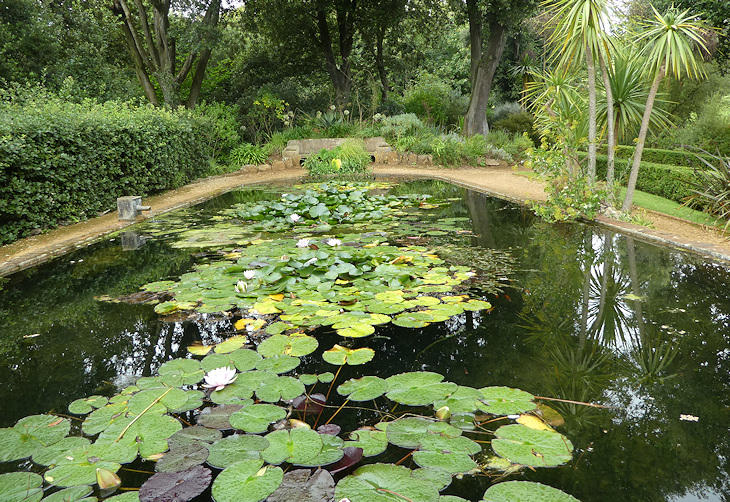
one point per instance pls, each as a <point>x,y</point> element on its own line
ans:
<point>124,497</point>
<point>445,443</point>
<point>234,393</point>
<point>506,401</point>
<point>331,452</point>
<point>283,388</point>
<point>149,434</point>
<point>363,389</point>
<point>246,481</point>
<point>410,432</point>
<point>453,462</point>
<point>536,448</point>
<point>235,448</point>
<point>418,388</point>
<point>87,405</point>
<point>438,477</point>
<point>413,319</point>
<point>296,446</point>
<point>21,487</point>
<point>308,379</point>
<point>298,345</point>
<point>371,483</point>
<point>71,494</point>
<point>357,330</point>
<point>180,372</point>
<point>46,429</point>
<point>47,455</point>
<point>525,491</point>
<point>256,417</point>
<point>243,359</point>
<point>228,346</point>
<point>475,305</point>
<point>278,364</point>
<point>373,442</point>
<point>77,469</point>
<point>170,398</point>
<point>339,355</point>
<point>100,419</point>
<point>462,400</point>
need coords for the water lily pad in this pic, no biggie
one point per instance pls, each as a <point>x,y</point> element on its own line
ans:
<point>522,445</point>
<point>295,446</point>
<point>452,462</point>
<point>409,432</point>
<point>339,355</point>
<point>243,359</point>
<point>278,364</point>
<point>21,487</point>
<point>46,429</point>
<point>371,483</point>
<point>308,379</point>
<point>234,393</point>
<point>418,388</point>
<point>533,422</point>
<point>179,486</point>
<point>231,344</point>
<point>506,401</point>
<point>356,330</point>
<point>47,455</point>
<point>303,485</point>
<point>462,400</point>
<point>246,481</point>
<point>446,443</point>
<point>71,494</point>
<point>87,405</point>
<point>373,442</point>
<point>235,448</point>
<point>294,345</point>
<point>194,435</point>
<point>182,458</point>
<point>77,469</point>
<point>331,452</point>
<point>180,372</point>
<point>163,399</point>
<point>438,477</point>
<point>256,417</point>
<point>103,417</point>
<point>525,491</point>
<point>283,388</point>
<point>475,305</point>
<point>149,433</point>
<point>413,319</point>
<point>363,389</point>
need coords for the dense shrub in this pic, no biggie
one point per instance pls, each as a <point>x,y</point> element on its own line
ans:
<point>660,156</point>
<point>219,127</point>
<point>708,128</point>
<point>65,162</point>
<point>518,123</point>
<point>348,158</point>
<point>504,110</point>
<point>246,153</point>
<point>434,101</point>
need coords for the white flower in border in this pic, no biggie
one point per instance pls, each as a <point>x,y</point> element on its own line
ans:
<point>218,378</point>
<point>303,243</point>
<point>240,287</point>
<point>346,113</point>
<point>295,217</point>
<point>689,418</point>
<point>249,274</point>
<point>334,242</point>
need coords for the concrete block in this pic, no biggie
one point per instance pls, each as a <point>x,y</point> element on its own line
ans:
<point>263,167</point>
<point>278,165</point>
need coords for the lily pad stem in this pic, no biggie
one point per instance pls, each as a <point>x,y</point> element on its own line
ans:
<point>336,412</point>
<point>394,493</point>
<point>579,402</point>
<point>140,415</point>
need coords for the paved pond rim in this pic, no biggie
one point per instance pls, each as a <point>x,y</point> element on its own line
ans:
<point>38,249</point>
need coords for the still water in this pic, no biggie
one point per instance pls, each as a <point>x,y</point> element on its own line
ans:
<point>588,316</point>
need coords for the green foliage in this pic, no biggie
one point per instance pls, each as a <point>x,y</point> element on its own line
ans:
<point>518,123</point>
<point>399,126</point>
<point>434,101</point>
<point>350,157</point>
<point>246,153</point>
<point>219,127</point>
<point>268,114</point>
<point>712,190</point>
<point>64,162</point>
<point>660,156</point>
<point>709,128</point>
<point>570,195</point>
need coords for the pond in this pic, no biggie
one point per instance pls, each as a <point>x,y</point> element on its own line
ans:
<point>577,314</point>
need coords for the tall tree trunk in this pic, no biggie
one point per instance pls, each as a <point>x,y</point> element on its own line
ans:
<point>631,185</point>
<point>340,75</point>
<point>380,62</point>
<point>483,69</point>
<point>591,115</point>
<point>610,129</point>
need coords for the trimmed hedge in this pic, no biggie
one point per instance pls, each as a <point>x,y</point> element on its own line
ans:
<point>62,162</point>
<point>658,156</point>
<point>670,182</point>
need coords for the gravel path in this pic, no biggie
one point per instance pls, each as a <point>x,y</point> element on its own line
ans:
<point>503,182</point>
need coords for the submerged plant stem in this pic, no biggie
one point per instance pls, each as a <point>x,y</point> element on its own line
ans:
<point>336,412</point>
<point>578,402</point>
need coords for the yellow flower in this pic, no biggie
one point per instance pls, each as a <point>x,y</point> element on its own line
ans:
<point>337,164</point>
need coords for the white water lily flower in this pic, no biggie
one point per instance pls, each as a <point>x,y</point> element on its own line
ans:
<point>303,243</point>
<point>249,274</point>
<point>240,287</point>
<point>689,418</point>
<point>295,217</point>
<point>218,378</point>
<point>334,242</point>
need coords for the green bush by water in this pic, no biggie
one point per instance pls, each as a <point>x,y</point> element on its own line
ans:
<point>62,161</point>
<point>350,157</point>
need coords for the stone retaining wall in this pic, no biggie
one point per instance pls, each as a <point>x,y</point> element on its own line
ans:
<point>381,151</point>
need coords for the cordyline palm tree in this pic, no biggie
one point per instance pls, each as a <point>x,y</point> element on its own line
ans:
<point>669,40</point>
<point>580,33</point>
